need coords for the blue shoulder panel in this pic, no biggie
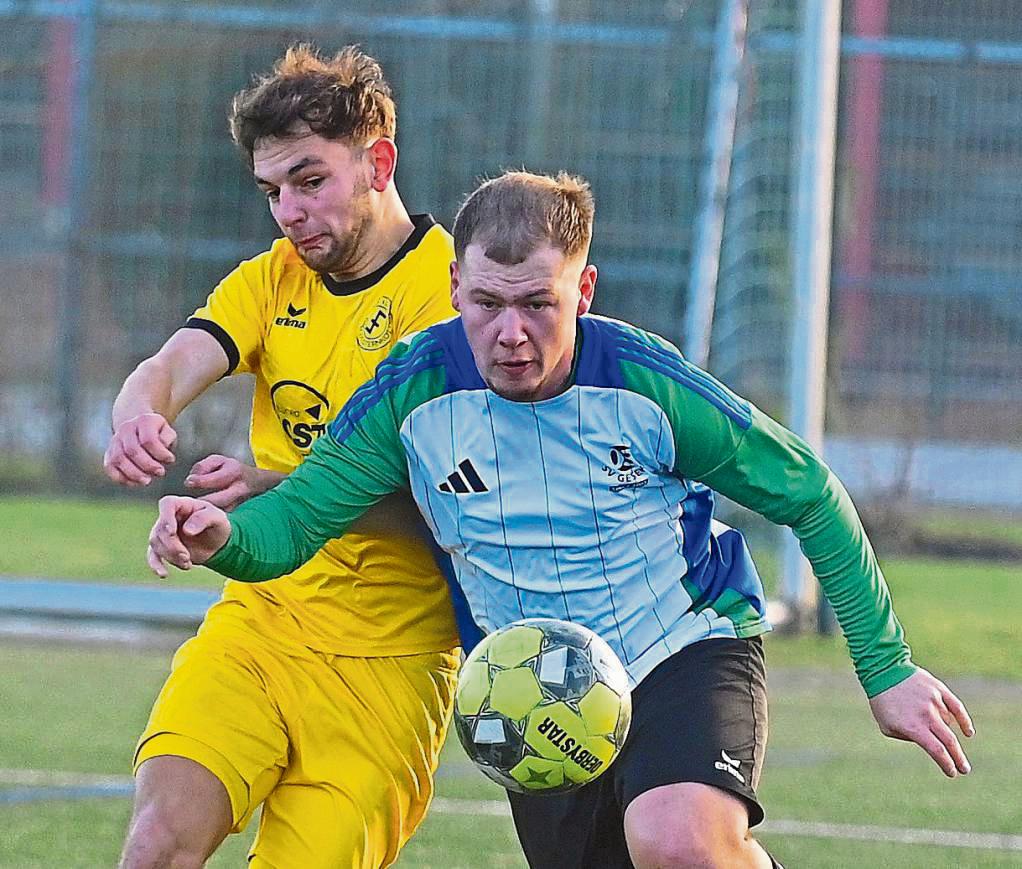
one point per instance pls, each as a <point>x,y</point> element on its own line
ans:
<point>458,359</point>
<point>598,356</point>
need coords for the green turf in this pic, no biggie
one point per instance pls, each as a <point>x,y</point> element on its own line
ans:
<point>972,524</point>
<point>97,540</point>
<point>75,709</point>
<point>946,606</point>
<point>79,709</point>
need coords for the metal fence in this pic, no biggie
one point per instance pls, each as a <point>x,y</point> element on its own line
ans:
<point>124,201</point>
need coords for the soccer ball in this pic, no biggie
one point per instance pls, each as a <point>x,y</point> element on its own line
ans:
<point>542,706</point>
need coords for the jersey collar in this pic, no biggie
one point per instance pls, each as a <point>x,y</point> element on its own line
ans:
<point>422,223</point>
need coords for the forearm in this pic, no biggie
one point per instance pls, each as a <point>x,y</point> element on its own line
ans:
<point>776,474</point>
<point>833,539</point>
<point>269,539</point>
<point>280,530</point>
<point>263,480</point>
<point>148,389</point>
<point>169,381</point>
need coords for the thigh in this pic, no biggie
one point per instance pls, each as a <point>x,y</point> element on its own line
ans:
<point>700,717</point>
<point>180,807</point>
<point>580,830</point>
<point>218,709</point>
<point>364,751</point>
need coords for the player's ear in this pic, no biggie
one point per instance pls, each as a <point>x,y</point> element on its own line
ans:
<point>586,289</point>
<point>455,284</point>
<point>382,156</point>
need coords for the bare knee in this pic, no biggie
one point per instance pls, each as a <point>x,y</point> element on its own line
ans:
<point>182,813</point>
<point>690,826</point>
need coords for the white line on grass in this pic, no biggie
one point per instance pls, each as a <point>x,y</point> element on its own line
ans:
<point>900,835</point>
<point>500,809</point>
<point>56,779</point>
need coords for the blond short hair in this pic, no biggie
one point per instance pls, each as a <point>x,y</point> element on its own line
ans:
<point>516,212</point>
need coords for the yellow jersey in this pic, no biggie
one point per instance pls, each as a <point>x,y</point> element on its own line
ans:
<point>311,342</point>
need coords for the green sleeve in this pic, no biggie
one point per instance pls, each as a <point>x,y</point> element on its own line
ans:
<point>737,450</point>
<point>358,462</point>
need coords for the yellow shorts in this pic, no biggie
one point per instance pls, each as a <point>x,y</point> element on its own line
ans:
<point>340,751</point>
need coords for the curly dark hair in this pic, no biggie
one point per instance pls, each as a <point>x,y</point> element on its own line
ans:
<point>344,97</point>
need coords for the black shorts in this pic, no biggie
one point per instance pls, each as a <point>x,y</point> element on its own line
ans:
<point>700,716</point>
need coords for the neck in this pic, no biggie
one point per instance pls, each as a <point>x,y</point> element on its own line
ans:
<point>384,234</point>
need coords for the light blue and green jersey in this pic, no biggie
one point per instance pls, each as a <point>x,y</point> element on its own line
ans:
<point>594,506</point>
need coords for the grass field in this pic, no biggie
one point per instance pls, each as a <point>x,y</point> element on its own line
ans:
<point>77,709</point>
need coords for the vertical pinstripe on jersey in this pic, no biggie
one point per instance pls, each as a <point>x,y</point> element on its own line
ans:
<point>626,659</point>
<point>549,513</point>
<point>500,502</point>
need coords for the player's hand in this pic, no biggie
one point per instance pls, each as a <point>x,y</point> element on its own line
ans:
<point>228,482</point>
<point>139,450</point>
<point>922,709</point>
<point>188,531</point>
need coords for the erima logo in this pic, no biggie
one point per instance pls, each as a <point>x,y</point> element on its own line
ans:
<point>624,470</point>
<point>729,765</point>
<point>290,320</point>
<point>463,481</point>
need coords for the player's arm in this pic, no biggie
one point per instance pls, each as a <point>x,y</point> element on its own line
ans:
<point>740,452</point>
<point>150,400</point>
<point>277,532</point>
<point>228,482</point>
<point>358,462</point>
<point>778,475</point>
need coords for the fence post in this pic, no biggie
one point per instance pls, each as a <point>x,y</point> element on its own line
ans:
<point>71,328</point>
<point>818,67</point>
<point>718,149</point>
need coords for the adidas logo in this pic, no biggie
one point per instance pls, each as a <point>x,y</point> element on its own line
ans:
<point>729,765</point>
<point>464,480</point>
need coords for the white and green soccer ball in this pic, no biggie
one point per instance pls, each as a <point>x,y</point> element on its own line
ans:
<point>542,706</point>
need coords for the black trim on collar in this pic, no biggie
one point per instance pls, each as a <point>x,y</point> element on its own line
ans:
<point>222,337</point>
<point>423,223</point>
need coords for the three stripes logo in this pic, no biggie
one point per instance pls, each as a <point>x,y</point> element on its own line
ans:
<point>463,481</point>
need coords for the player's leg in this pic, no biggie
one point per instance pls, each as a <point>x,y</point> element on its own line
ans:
<point>181,815</point>
<point>364,750</point>
<point>693,759</point>
<point>579,830</point>
<point>691,825</point>
<point>214,746</point>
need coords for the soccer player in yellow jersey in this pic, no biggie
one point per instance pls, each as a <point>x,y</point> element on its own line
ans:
<point>323,696</point>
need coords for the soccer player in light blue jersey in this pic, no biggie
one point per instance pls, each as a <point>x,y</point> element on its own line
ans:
<point>567,464</point>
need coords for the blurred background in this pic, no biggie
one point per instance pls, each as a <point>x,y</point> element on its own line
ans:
<point>124,203</point>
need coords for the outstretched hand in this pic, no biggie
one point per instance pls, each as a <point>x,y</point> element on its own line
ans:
<point>188,531</point>
<point>229,482</point>
<point>922,709</point>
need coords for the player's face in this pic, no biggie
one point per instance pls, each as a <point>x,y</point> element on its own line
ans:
<point>319,192</point>
<point>521,320</point>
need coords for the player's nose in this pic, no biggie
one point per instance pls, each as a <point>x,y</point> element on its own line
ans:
<point>511,328</point>
<point>289,210</point>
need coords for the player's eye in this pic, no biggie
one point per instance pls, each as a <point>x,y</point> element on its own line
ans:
<point>272,195</point>
<point>313,183</point>
<point>488,305</point>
